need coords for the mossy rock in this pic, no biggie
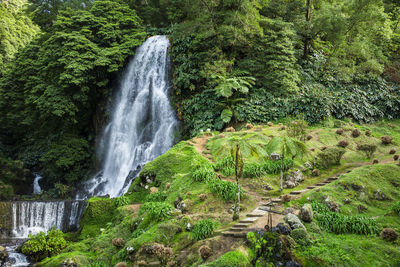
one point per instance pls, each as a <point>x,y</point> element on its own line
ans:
<point>98,213</point>
<point>5,216</point>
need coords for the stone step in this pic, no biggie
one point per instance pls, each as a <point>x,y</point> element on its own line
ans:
<point>256,213</point>
<point>267,204</point>
<point>248,220</point>
<point>234,234</point>
<point>311,187</point>
<point>333,178</point>
<point>326,182</point>
<point>320,184</point>
<point>296,192</point>
<point>276,200</point>
<point>236,229</point>
<point>241,225</point>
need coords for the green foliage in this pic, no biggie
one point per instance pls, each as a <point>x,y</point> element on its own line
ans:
<point>301,236</point>
<point>330,157</point>
<point>156,211</point>
<point>341,224</point>
<point>264,247</point>
<point>97,264</point>
<point>16,30</point>
<point>62,80</point>
<point>44,245</point>
<point>367,149</point>
<point>231,258</point>
<point>121,201</point>
<point>226,190</point>
<point>203,174</point>
<point>396,208</point>
<point>203,229</point>
<point>297,128</point>
<point>156,197</point>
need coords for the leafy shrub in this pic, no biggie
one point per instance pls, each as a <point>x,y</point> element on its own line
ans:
<point>121,201</point>
<point>367,149</point>
<point>274,167</point>
<point>226,166</point>
<point>43,245</point>
<point>224,189</point>
<point>330,157</point>
<point>297,129</point>
<point>396,207</point>
<point>156,197</point>
<point>265,246</point>
<point>301,236</point>
<point>341,224</point>
<point>253,169</point>
<point>343,143</point>
<point>203,229</point>
<point>386,140</point>
<point>389,234</point>
<point>203,174</point>
<point>156,211</point>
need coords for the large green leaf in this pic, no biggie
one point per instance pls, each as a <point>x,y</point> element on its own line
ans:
<point>226,115</point>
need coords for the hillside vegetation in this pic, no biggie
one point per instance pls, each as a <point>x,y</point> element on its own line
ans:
<point>151,217</point>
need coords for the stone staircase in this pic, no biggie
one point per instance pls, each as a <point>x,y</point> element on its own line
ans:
<point>241,229</point>
<point>311,187</point>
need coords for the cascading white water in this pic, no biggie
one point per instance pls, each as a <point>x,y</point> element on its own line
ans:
<point>36,187</point>
<point>143,122</point>
<point>32,217</point>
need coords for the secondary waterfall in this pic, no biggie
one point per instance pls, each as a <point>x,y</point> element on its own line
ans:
<point>32,217</point>
<point>143,122</point>
<point>36,186</point>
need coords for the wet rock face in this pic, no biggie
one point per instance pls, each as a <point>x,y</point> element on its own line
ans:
<point>3,256</point>
<point>5,219</point>
<point>381,196</point>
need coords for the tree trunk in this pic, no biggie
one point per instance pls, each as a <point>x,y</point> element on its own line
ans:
<point>237,205</point>
<point>282,174</point>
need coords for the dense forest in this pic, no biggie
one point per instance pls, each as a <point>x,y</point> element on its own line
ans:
<point>233,62</point>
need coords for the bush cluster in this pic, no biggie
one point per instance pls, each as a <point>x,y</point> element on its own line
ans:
<point>341,224</point>
<point>224,189</point>
<point>43,245</point>
<point>367,149</point>
<point>330,157</point>
<point>156,211</point>
<point>203,229</point>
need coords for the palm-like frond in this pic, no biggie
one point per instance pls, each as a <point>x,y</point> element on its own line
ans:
<point>287,146</point>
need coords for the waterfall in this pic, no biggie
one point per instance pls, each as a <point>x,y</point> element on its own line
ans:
<point>32,217</point>
<point>36,186</point>
<point>143,122</point>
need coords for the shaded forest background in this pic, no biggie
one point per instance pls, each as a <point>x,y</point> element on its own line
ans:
<point>233,61</point>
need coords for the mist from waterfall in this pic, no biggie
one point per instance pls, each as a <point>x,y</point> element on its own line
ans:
<point>142,124</point>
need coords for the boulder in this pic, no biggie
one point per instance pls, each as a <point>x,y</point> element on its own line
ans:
<point>69,263</point>
<point>288,210</point>
<point>202,197</point>
<point>306,213</point>
<point>293,221</point>
<point>381,196</point>
<point>230,130</point>
<point>284,228</point>
<point>293,179</point>
<point>275,156</point>
<point>266,187</point>
<point>121,264</point>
